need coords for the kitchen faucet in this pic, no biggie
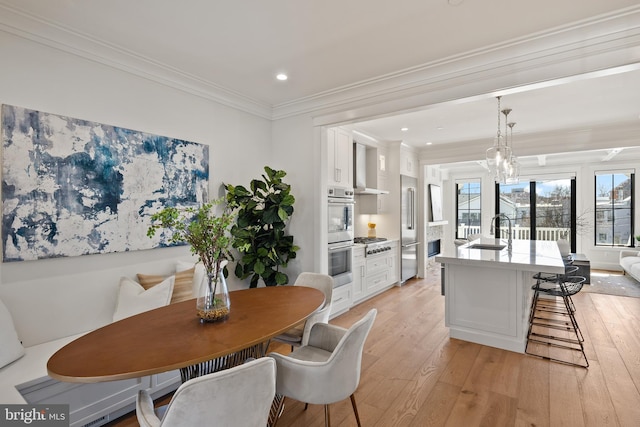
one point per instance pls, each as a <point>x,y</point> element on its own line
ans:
<point>508,219</point>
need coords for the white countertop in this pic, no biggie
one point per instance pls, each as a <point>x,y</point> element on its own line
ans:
<point>526,255</point>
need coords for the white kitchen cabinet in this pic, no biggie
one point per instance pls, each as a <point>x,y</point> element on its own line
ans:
<point>340,158</point>
<point>393,264</point>
<point>358,269</point>
<point>383,161</point>
<point>408,162</point>
<point>341,299</point>
<point>380,272</point>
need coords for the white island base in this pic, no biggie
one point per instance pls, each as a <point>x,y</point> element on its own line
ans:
<point>488,292</point>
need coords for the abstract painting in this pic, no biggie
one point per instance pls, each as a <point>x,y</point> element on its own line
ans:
<point>73,187</point>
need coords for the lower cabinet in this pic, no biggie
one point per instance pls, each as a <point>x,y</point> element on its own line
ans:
<point>95,404</point>
<point>341,299</point>
<point>370,276</point>
<point>359,273</point>
<point>374,274</point>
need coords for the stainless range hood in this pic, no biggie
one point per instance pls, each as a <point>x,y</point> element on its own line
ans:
<point>362,175</point>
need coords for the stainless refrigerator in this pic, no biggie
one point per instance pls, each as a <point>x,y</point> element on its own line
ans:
<point>409,229</point>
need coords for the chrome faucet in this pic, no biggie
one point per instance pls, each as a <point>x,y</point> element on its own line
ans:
<point>509,241</point>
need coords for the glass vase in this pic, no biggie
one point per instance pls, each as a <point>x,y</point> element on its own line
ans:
<point>213,302</point>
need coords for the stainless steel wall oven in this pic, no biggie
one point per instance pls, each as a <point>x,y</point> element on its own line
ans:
<point>340,234</point>
<point>340,215</point>
<point>340,263</point>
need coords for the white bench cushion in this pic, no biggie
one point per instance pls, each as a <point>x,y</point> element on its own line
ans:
<point>11,348</point>
<point>33,365</point>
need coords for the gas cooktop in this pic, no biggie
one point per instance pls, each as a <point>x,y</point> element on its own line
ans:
<point>368,240</point>
<point>374,245</point>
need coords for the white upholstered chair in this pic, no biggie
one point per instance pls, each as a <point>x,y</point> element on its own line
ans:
<point>239,396</point>
<point>300,334</point>
<point>327,369</point>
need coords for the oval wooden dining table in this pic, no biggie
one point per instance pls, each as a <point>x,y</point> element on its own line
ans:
<point>172,337</point>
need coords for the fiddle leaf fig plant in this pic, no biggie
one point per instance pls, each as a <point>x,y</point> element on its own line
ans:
<point>259,234</point>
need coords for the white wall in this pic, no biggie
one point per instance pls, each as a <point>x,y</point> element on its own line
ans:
<point>298,150</point>
<point>42,78</point>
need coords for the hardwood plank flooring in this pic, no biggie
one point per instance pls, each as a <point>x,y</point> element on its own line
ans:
<point>414,375</point>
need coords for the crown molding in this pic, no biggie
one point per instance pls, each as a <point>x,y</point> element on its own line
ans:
<point>593,45</point>
<point>597,43</point>
<point>50,34</point>
<point>600,137</point>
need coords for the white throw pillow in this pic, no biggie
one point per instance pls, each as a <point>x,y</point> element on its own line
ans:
<point>11,348</point>
<point>134,299</point>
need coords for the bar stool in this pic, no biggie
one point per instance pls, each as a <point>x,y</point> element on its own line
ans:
<point>556,311</point>
<point>546,281</point>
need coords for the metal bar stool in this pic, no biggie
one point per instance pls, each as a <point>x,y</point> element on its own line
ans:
<point>556,311</point>
<point>545,281</point>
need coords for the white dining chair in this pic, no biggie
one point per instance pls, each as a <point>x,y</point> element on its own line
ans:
<point>327,369</point>
<point>299,335</point>
<point>238,396</point>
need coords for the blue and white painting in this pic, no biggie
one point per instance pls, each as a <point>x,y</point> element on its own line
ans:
<point>73,187</point>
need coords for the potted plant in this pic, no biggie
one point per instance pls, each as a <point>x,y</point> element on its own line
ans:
<point>207,234</point>
<point>263,212</point>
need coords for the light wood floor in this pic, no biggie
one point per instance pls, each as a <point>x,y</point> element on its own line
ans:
<point>413,374</point>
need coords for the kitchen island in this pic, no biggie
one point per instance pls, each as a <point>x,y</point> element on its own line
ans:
<point>488,289</point>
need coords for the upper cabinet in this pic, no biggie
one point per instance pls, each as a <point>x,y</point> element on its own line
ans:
<point>408,162</point>
<point>340,158</point>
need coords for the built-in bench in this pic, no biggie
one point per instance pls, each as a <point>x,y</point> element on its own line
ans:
<point>47,316</point>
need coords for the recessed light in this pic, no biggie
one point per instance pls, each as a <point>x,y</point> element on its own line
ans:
<point>282,77</point>
<point>404,129</point>
<point>429,143</point>
<point>439,128</point>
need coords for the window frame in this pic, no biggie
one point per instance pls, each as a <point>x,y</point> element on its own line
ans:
<point>612,210</point>
<point>533,212</point>
<point>463,182</point>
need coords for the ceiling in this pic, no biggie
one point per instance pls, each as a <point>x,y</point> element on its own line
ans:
<point>240,46</point>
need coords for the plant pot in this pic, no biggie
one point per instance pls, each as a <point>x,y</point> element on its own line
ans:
<point>213,303</point>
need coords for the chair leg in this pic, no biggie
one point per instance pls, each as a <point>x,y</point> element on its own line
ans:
<point>327,417</point>
<point>274,416</point>
<point>355,409</point>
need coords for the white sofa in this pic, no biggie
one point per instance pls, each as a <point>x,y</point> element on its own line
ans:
<point>46,316</point>
<point>630,263</point>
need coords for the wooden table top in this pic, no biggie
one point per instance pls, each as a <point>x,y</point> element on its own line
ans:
<point>172,337</point>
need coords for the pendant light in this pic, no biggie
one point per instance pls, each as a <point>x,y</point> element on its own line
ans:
<point>513,171</point>
<point>502,163</point>
<point>499,154</point>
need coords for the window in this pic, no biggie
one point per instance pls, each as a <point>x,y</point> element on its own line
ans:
<point>614,208</point>
<point>539,210</point>
<point>468,214</point>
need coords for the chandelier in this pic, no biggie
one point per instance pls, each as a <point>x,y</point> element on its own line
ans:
<point>502,163</point>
